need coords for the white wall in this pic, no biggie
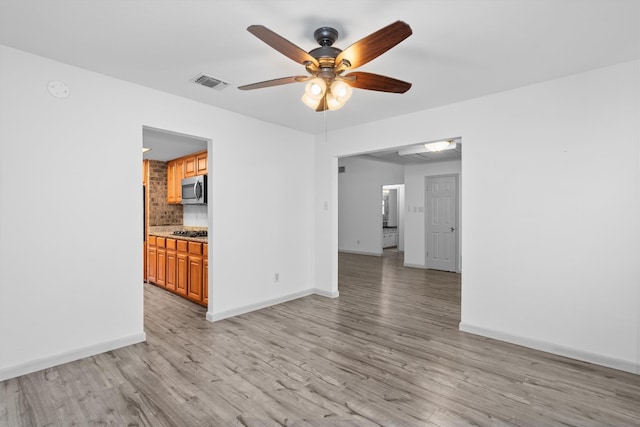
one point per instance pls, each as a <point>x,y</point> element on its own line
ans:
<point>360,203</point>
<point>415,182</point>
<point>70,259</point>
<point>550,212</point>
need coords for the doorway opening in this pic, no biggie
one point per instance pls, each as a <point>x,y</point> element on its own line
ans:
<point>170,159</point>
<point>393,217</point>
<point>362,181</point>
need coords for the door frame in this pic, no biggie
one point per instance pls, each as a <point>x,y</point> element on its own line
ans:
<point>457,240</point>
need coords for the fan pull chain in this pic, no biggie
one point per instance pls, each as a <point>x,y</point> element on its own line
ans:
<point>324,117</point>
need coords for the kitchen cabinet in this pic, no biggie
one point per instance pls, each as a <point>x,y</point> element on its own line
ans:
<point>183,167</point>
<point>195,164</point>
<point>182,268</point>
<point>152,259</point>
<point>190,166</point>
<point>201,163</point>
<point>161,262</point>
<point>172,258</point>
<point>144,261</point>
<point>145,172</point>
<point>389,237</point>
<point>194,288</point>
<point>175,173</point>
<point>205,274</point>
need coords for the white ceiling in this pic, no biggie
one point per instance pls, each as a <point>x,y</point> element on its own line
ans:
<point>460,49</point>
<point>414,154</point>
<point>167,145</point>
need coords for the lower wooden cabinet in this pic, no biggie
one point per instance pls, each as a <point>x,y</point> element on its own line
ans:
<point>182,268</point>
<point>152,259</point>
<point>161,273</point>
<point>194,288</point>
<point>179,266</point>
<point>172,257</point>
<point>205,274</point>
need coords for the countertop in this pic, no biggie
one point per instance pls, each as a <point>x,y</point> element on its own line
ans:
<point>167,231</point>
<point>173,236</point>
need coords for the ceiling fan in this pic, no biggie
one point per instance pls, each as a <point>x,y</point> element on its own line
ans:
<point>327,85</point>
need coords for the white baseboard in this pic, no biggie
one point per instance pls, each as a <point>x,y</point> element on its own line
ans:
<point>360,252</point>
<point>573,353</point>
<point>323,293</point>
<point>424,267</point>
<point>214,317</point>
<point>69,356</point>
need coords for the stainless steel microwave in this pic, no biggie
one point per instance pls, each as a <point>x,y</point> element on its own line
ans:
<point>194,190</point>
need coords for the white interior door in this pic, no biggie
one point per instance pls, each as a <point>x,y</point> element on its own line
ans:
<point>441,222</point>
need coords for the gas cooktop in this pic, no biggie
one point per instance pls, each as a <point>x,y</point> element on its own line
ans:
<point>191,233</point>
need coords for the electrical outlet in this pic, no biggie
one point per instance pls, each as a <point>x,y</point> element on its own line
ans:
<point>276,277</point>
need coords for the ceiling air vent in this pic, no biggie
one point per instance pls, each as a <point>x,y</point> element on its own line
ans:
<point>208,81</point>
<point>342,169</point>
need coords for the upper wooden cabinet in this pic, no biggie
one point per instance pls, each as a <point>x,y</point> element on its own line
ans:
<point>201,163</point>
<point>175,173</point>
<point>195,164</point>
<point>145,171</point>
<point>183,167</point>
<point>190,166</point>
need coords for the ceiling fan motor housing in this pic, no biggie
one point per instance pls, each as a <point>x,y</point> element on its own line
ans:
<point>325,36</point>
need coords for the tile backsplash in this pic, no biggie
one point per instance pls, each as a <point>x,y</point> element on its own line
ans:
<point>195,215</point>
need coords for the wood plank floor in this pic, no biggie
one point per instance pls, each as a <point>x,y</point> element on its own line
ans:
<point>386,352</point>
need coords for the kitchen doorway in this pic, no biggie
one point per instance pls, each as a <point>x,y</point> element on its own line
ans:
<point>176,246</point>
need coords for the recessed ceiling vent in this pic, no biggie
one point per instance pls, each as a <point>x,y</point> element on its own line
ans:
<point>208,81</point>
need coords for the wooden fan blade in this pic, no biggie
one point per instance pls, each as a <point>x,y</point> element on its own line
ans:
<point>274,82</point>
<point>370,81</point>
<point>281,44</point>
<point>375,44</point>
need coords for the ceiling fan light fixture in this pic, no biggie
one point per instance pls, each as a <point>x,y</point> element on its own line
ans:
<point>309,101</point>
<point>333,103</point>
<point>440,145</point>
<point>341,91</point>
<point>316,88</point>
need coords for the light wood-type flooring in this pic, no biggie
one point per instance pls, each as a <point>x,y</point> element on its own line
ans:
<point>386,352</point>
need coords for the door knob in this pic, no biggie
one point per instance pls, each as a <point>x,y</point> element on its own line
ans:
<point>453,229</point>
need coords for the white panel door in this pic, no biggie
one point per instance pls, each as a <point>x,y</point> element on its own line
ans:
<point>441,216</point>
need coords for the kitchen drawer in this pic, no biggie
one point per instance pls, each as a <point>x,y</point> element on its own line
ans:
<point>152,241</point>
<point>171,244</point>
<point>161,242</point>
<point>195,248</point>
<point>182,245</point>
